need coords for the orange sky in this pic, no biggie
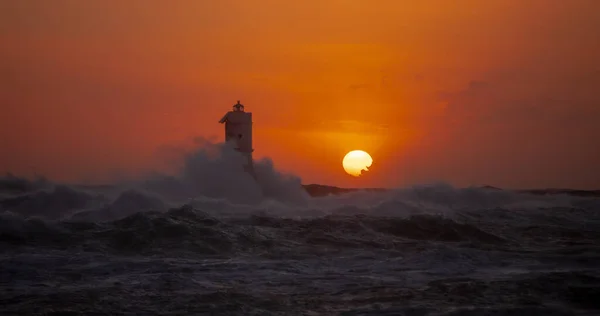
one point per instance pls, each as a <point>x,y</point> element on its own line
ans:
<point>502,92</point>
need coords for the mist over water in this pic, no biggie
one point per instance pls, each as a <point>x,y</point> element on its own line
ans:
<point>216,171</point>
<point>208,238</point>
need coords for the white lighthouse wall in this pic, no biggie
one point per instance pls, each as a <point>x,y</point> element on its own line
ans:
<point>239,128</point>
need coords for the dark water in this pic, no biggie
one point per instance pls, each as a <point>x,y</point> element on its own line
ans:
<point>210,240</point>
<point>430,250</point>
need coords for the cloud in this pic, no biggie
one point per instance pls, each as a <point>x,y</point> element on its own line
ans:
<point>360,86</point>
<point>569,102</point>
<point>542,129</point>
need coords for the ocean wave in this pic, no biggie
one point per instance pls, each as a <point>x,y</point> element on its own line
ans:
<point>209,232</point>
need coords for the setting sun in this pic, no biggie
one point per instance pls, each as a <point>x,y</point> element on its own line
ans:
<point>356,161</point>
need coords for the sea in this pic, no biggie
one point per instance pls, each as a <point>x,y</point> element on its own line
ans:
<point>211,240</point>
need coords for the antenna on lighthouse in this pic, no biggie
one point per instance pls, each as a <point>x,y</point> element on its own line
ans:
<point>238,129</point>
<point>238,106</point>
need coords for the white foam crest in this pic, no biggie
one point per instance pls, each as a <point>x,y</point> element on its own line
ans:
<point>216,171</point>
<point>211,178</point>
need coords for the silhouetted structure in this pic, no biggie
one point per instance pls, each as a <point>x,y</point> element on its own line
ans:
<point>238,129</point>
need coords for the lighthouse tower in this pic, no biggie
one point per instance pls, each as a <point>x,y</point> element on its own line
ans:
<point>238,129</point>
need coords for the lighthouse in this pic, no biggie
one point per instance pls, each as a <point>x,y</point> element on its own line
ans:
<point>238,129</point>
